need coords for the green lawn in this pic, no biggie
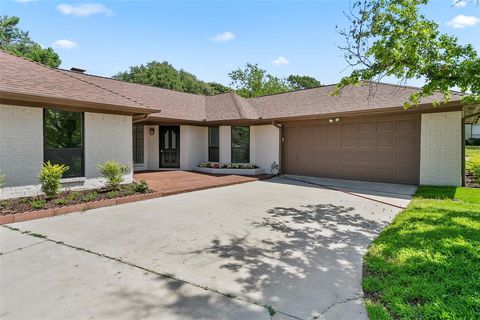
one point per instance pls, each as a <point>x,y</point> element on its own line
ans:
<point>426,265</point>
<point>472,163</point>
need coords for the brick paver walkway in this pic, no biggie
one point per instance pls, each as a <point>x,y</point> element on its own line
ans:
<point>173,182</point>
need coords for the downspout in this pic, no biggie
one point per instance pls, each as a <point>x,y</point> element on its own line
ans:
<point>280,146</point>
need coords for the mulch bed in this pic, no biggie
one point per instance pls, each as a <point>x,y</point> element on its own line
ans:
<point>66,198</point>
<point>470,181</point>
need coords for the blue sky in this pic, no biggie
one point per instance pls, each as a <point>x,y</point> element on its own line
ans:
<point>209,38</point>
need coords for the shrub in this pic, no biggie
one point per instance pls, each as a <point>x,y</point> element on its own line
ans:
<point>113,172</point>
<point>141,187</point>
<point>474,168</point>
<point>50,176</point>
<point>37,203</point>
<point>112,194</point>
<point>2,179</point>
<point>89,197</point>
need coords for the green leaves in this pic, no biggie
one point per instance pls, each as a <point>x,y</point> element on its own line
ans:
<point>50,176</point>
<point>252,81</point>
<point>164,75</point>
<point>18,42</point>
<point>113,172</point>
<point>392,38</point>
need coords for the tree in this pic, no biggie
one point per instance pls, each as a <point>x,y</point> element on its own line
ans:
<point>302,82</point>
<point>164,75</point>
<point>253,81</point>
<point>392,38</point>
<point>18,42</point>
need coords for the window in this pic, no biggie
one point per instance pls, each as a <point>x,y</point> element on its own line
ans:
<point>63,140</point>
<point>213,144</point>
<point>240,144</point>
<point>137,143</point>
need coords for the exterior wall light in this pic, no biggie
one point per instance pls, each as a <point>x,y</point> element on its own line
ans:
<point>332,120</point>
<point>152,131</point>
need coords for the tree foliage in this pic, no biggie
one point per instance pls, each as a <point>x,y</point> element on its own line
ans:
<point>302,82</point>
<point>18,42</point>
<point>164,75</point>
<point>392,38</point>
<point>252,81</point>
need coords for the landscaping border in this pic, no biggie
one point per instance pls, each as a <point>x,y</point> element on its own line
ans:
<point>44,213</point>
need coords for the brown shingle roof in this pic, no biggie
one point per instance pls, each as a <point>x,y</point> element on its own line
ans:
<point>24,79</point>
<point>319,101</point>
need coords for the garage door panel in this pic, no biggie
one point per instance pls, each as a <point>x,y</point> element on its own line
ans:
<point>408,125</point>
<point>367,141</point>
<point>385,126</point>
<point>386,141</point>
<point>367,127</point>
<point>333,141</point>
<point>349,141</point>
<point>333,129</point>
<point>349,128</point>
<point>406,141</point>
<point>384,159</point>
<point>383,148</point>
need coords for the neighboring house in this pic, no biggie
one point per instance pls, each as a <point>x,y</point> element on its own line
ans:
<point>472,131</point>
<point>307,132</point>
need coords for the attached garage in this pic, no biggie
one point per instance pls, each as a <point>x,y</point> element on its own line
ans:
<point>381,148</point>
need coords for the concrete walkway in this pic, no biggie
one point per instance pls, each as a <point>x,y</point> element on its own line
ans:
<point>225,253</point>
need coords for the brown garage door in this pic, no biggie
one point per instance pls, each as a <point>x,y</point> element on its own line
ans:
<point>385,149</point>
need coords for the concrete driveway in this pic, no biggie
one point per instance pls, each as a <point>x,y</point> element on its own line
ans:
<point>288,246</point>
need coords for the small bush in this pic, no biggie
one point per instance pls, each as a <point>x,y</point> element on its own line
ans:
<point>37,203</point>
<point>474,168</point>
<point>113,172</point>
<point>50,176</point>
<point>112,194</point>
<point>141,186</point>
<point>62,202</point>
<point>89,197</point>
<point>2,179</point>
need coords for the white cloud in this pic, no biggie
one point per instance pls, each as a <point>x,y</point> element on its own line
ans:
<point>84,9</point>
<point>65,44</point>
<point>224,37</point>
<point>25,1</point>
<point>461,21</point>
<point>280,61</point>
<point>459,3</point>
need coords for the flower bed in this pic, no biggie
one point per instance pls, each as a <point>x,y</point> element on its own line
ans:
<point>215,165</point>
<point>246,169</point>
<point>68,198</point>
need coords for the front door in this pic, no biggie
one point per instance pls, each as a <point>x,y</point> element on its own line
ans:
<point>170,147</point>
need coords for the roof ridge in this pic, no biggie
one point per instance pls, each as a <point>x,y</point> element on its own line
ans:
<point>240,110</point>
<point>138,84</point>
<point>58,71</point>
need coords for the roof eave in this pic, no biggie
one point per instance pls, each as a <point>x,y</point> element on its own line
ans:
<point>8,97</point>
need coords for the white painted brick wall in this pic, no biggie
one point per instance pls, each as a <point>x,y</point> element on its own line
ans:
<point>441,149</point>
<point>225,143</point>
<point>193,146</point>
<point>266,147</point>
<point>21,144</point>
<point>107,137</point>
